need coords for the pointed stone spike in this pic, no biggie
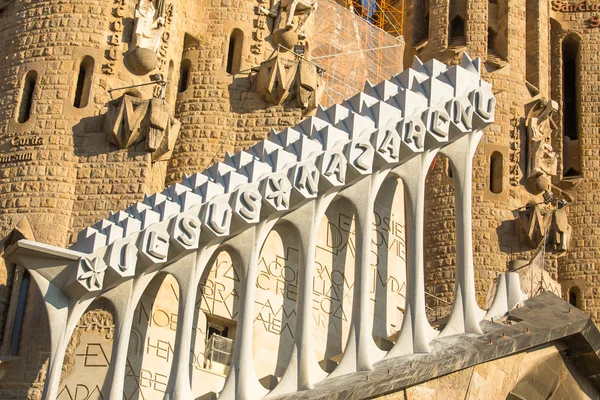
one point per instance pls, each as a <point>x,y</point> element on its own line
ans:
<point>217,170</point>
<point>189,199</point>
<point>89,240</point>
<point>102,224</point>
<point>406,77</point>
<point>434,67</point>
<point>477,65</point>
<point>136,209</point>
<point>232,180</point>
<point>359,102</point>
<point>356,125</point>
<point>417,64</point>
<point>286,137</point>
<point>384,90</point>
<point>331,136</point>
<point>461,79</point>
<point>255,169</point>
<point>167,209</point>
<point>304,148</point>
<point>263,148</point>
<point>240,159</point>
<point>467,63</point>
<point>383,113</point>
<point>311,125</point>
<point>195,181</point>
<point>368,85</point>
<point>280,158</point>
<point>209,189</point>
<point>155,199</point>
<point>436,91</point>
<point>118,216</point>
<point>173,191</point>
<point>334,114</point>
<point>409,101</point>
<point>112,232</point>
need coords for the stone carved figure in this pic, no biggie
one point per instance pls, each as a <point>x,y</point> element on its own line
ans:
<point>148,27</point>
<point>292,8</point>
<point>279,78</point>
<point>130,120</point>
<point>542,162</point>
<point>537,224</point>
<point>148,30</point>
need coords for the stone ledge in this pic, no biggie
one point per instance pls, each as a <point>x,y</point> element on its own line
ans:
<point>540,321</point>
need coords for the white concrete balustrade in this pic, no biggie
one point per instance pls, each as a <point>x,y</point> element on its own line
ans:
<point>343,157</point>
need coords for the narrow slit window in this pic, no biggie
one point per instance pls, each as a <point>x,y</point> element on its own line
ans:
<point>496,173</point>
<point>28,91</point>
<point>184,75</point>
<point>532,43</point>
<point>570,106</point>
<point>84,83</point>
<point>234,53</point>
<point>420,21</point>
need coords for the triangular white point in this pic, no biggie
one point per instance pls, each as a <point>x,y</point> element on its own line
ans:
<point>467,63</point>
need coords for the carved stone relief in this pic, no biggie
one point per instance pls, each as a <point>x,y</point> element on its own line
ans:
<point>130,120</point>
<point>542,162</point>
<point>281,79</point>
<point>539,223</point>
<point>148,30</point>
<point>88,359</point>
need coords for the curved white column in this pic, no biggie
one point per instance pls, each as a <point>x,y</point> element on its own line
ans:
<point>242,383</point>
<point>415,333</point>
<point>466,314</point>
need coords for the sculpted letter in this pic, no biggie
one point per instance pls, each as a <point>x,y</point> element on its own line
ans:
<point>190,229</point>
<point>308,180</point>
<point>390,144</point>
<point>484,104</point>
<point>158,245</point>
<point>250,201</point>
<point>336,167</point>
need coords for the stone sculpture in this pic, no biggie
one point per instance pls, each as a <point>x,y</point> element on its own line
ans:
<point>130,120</point>
<point>542,162</point>
<point>292,8</point>
<point>279,78</point>
<point>394,128</point>
<point>539,223</point>
<point>148,30</point>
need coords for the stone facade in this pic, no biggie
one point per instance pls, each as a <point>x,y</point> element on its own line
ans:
<point>59,64</point>
<point>520,46</point>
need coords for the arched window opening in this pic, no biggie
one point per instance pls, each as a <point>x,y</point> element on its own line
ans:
<point>496,172</point>
<point>234,53</point>
<point>27,93</point>
<point>456,32</point>
<point>420,21</point>
<point>570,106</point>
<point>84,82</point>
<point>184,75</point>
<point>574,296</point>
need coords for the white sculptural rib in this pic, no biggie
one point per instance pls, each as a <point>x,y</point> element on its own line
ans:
<point>394,128</point>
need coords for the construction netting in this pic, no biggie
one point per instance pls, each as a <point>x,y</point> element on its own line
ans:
<point>351,46</point>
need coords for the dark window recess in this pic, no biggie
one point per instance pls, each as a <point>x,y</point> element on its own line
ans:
<point>457,31</point>
<point>570,107</point>
<point>84,83</point>
<point>26,103</point>
<point>574,296</point>
<point>184,75</point>
<point>496,175</point>
<point>234,53</point>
